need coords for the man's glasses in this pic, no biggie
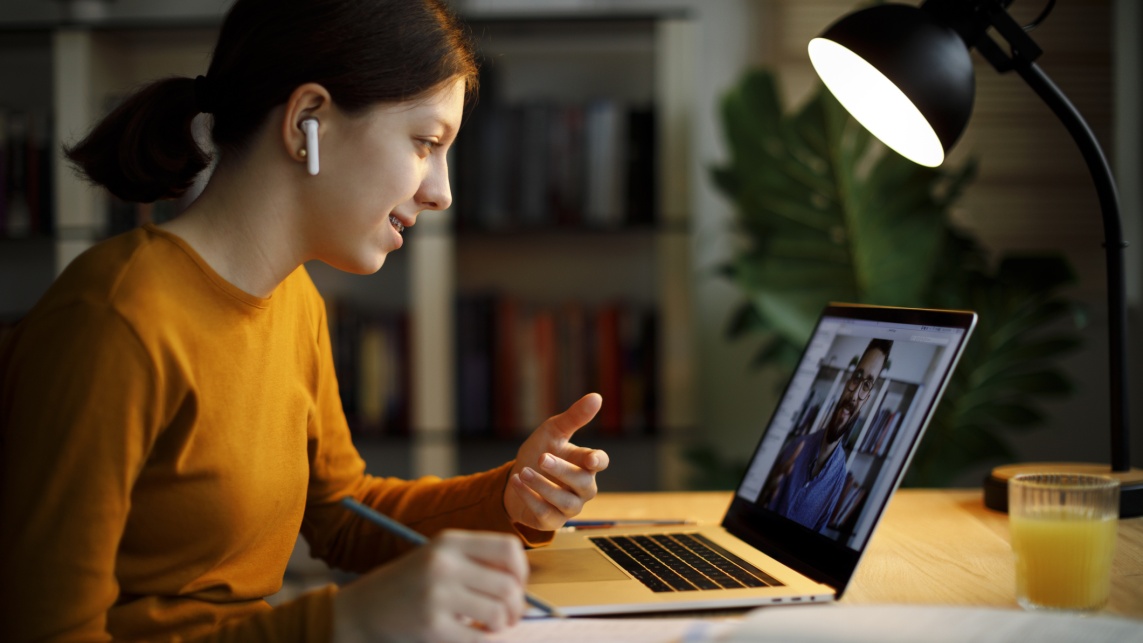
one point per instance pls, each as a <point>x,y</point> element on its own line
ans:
<point>860,383</point>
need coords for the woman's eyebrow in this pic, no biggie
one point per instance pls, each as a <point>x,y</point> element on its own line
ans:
<point>445,125</point>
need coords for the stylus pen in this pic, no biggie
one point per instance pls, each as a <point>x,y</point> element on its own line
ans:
<point>599,524</point>
<point>381,520</point>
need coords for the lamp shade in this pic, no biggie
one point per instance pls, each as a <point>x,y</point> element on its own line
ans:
<point>904,76</point>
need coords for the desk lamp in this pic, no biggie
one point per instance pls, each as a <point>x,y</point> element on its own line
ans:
<point>904,73</point>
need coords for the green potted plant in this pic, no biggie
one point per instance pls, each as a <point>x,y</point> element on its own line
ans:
<point>826,213</point>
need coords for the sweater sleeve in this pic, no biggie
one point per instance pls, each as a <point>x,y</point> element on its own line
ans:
<point>78,415</point>
<point>307,619</point>
<point>80,411</point>
<point>427,505</point>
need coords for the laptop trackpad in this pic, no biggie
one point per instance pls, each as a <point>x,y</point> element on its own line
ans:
<point>571,566</point>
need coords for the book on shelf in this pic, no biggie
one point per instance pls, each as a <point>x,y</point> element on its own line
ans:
<point>885,436</point>
<point>371,359</point>
<point>25,174</point>
<point>565,165</point>
<point>533,207</point>
<point>506,366</point>
<point>641,200</point>
<point>878,435</point>
<point>519,363</point>
<point>475,366</point>
<point>606,135</point>
<point>573,360</point>
<point>483,173</point>
<point>638,342</point>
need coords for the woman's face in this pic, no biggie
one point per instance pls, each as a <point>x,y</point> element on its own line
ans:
<point>379,170</point>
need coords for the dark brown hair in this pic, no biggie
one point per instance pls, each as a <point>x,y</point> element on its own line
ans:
<point>364,52</point>
<point>883,345</point>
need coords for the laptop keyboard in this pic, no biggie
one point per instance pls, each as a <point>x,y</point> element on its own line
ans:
<point>681,562</point>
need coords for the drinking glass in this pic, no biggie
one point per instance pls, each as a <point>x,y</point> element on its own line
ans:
<point>1063,530</point>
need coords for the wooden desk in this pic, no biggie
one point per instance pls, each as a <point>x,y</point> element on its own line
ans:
<point>937,547</point>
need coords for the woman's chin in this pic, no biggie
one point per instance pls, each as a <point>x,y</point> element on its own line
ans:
<point>374,266</point>
<point>372,256</point>
<point>360,265</point>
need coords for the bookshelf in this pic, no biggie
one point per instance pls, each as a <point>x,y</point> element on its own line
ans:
<point>587,241</point>
<point>26,247</point>
<point>628,252</point>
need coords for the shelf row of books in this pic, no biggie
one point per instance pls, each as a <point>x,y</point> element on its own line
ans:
<point>520,363</point>
<point>25,174</point>
<point>517,365</point>
<point>371,358</point>
<point>547,165</point>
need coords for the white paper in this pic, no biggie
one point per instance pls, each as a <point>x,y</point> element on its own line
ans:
<point>601,630</point>
<point>838,623</point>
<point>930,624</point>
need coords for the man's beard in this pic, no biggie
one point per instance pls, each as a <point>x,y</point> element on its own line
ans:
<point>844,429</point>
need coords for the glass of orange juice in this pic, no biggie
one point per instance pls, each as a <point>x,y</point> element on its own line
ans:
<point>1063,530</point>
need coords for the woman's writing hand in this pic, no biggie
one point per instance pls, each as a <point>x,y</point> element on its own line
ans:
<point>459,585</point>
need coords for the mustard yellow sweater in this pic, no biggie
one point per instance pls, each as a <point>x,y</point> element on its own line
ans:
<point>164,436</point>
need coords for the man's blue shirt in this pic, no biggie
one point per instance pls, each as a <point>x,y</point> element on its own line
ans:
<point>810,501</point>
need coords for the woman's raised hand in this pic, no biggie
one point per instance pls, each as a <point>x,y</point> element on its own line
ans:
<point>553,478</point>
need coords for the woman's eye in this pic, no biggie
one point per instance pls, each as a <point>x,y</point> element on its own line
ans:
<point>428,144</point>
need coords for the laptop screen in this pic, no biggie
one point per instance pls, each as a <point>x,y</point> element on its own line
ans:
<point>847,424</point>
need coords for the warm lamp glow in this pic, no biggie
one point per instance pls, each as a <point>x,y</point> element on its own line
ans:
<point>876,103</point>
<point>873,58</point>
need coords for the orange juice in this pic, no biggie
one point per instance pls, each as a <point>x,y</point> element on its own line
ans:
<point>1063,558</point>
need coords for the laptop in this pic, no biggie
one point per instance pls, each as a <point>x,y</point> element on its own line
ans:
<point>832,454</point>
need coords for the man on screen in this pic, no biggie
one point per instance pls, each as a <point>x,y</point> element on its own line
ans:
<point>810,472</point>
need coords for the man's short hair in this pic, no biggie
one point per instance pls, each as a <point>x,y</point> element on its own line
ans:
<point>883,345</point>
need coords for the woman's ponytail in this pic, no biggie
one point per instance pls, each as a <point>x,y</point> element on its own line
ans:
<point>145,149</point>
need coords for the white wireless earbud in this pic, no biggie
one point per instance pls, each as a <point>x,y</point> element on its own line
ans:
<point>310,127</point>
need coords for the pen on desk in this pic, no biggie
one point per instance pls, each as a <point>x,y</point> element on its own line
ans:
<point>600,524</point>
<point>418,538</point>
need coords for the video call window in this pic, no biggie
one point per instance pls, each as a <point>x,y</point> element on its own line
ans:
<point>851,413</point>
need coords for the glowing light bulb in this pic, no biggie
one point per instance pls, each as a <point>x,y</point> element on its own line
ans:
<point>876,103</point>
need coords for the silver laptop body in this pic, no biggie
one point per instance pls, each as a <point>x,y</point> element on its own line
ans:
<point>834,451</point>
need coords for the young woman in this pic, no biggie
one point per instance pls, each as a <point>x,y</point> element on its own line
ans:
<point>169,415</point>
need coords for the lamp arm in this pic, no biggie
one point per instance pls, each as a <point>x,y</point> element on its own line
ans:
<point>1113,245</point>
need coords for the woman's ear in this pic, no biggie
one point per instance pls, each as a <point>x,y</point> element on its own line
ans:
<point>307,104</point>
